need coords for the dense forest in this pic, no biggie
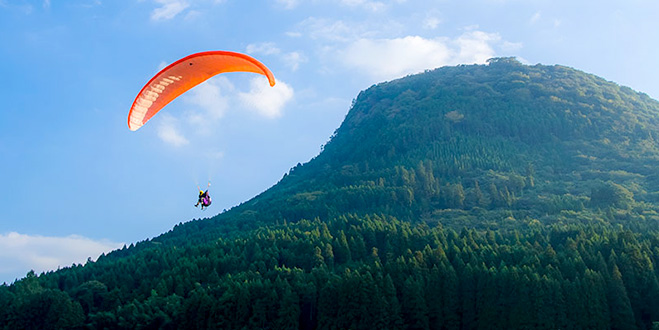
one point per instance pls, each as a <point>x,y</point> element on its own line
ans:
<point>497,196</point>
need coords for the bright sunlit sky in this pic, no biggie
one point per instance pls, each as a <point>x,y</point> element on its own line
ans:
<point>76,182</point>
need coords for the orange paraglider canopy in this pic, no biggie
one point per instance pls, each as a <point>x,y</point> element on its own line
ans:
<point>182,75</point>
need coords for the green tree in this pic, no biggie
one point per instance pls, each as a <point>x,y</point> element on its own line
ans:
<point>611,194</point>
<point>289,310</point>
<point>414,308</point>
<point>622,316</point>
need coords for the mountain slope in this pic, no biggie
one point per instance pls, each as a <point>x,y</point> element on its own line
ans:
<point>503,135</point>
<point>481,196</point>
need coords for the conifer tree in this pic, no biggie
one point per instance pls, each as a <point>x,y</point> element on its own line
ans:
<point>622,316</point>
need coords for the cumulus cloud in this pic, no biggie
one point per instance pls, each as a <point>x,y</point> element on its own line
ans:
<point>204,106</point>
<point>367,46</point>
<point>210,98</point>
<point>397,57</point>
<point>168,9</point>
<point>168,131</point>
<point>207,104</point>
<point>475,47</point>
<point>265,100</point>
<point>20,253</point>
<point>389,58</point>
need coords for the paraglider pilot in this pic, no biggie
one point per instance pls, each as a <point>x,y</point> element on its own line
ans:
<point>204,198</point>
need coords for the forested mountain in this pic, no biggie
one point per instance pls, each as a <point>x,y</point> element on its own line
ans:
<point>498,196</point>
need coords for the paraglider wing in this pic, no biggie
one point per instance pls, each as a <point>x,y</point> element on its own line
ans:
<point>182,75</point>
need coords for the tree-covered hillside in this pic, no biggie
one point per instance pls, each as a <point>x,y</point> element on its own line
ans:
<point>498,196</point>
<point>538,139</point>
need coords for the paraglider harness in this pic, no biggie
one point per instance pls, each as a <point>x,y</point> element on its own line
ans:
<point>204,199</point>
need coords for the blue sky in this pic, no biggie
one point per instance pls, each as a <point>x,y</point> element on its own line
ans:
<point>76,182</point>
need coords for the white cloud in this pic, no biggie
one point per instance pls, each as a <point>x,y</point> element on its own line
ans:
<point>538,18</point>
<point>291,59</point>
<point>325,29</point>
<point>366,47</point>
<point>431,23</point>
<point>385,59</point>
<point>266,48</point>
<point>168,131</point>
<point>169,9</point>
<point>209,98</point>
<point>293,34</point>
<point>510,47</point>
<point>209,103</point>
<point>203,107</point>
<point>329,32</point>
<point>20,253</point>
<point>475,47</point>
<point>193,15</point>
<point>390,58</point>
<point>265,100</point>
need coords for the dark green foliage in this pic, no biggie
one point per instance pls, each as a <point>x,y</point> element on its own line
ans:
<point>497,196</point>
<point>542,279</point>
<point>611,195</point>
